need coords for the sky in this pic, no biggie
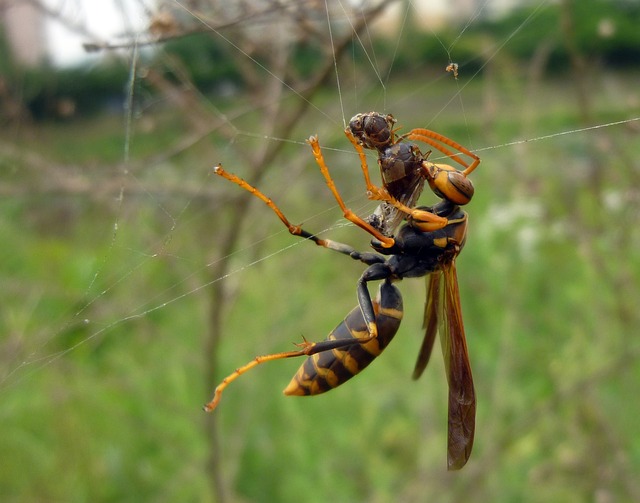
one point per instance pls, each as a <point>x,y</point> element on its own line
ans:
<point>104,18</point>
<point>108,20</point>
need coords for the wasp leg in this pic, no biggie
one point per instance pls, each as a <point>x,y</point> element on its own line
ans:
<point>245,368</point>
<point>327,370</point>
<point>374,272</point>
<point>429,221</point>
<point>377,270</point>
<point>348,214</point>
<point>296,230</point>
<point>368,258</point>
<point>372,189</point>
<point>376,193</point>
<point>437,140</point>
<point>426,221</point>
<point>306,348</point>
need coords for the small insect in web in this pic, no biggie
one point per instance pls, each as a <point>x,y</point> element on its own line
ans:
<point>425,246</point>
<point>453,68</point>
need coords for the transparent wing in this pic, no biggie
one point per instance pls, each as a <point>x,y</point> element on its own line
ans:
<point>462,399</point>
<point>390,216</point>
<point>431,321</point>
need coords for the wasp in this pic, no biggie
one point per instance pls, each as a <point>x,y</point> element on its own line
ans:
<point>426,245</point>
<point>404,168</point>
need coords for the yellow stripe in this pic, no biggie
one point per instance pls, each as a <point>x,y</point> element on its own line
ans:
<point>396,314</point>
<point>329,376</point>
<point>441,242</point>
<point>349,362</point>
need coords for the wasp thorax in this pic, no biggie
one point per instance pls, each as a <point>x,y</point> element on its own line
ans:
<point>450,184</point>
<point>399,161</point>
<point>463,188</point>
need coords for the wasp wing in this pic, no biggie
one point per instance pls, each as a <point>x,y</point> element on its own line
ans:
<point>431,321</point>
<point>390,216</point>
<point>462,399</point>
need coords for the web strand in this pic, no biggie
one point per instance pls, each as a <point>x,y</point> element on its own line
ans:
<point>39,361</point>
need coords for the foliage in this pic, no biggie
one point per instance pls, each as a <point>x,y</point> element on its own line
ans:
<point>207,60</point>
<point>90,89</point>
<point>110,325</point>
<point>605,31</point>
<point>113,231</point>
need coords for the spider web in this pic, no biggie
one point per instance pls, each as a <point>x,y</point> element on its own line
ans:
<point>348,92</point>
<point>40,357</point>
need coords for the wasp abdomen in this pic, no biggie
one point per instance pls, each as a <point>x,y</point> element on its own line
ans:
<point>326,370</point>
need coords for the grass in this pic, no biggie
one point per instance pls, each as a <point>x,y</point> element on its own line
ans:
<point>102,332</point>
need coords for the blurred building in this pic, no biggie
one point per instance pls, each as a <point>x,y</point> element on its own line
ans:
<point>24,28</point>
<point>436,14</point>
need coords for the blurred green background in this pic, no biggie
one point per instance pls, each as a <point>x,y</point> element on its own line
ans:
<point>133,279</point>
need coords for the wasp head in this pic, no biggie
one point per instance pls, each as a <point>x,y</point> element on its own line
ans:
<point>373,130</point>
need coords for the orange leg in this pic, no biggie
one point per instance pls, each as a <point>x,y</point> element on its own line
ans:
<point>296,230</point>
<point>372,189</point>
<point>241,370</point>
<point>348,214</point>
<point>432,222</point>
<point>437,140</point>
<point>217,395</point>
<point>307,349</point>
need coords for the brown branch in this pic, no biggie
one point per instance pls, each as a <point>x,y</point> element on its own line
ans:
<point>281,127</point>
<point>164,28</point>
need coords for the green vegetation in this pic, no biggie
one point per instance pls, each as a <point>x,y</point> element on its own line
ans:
<point>114,236</point>
<point>605,32</point>
<point>103,329</point>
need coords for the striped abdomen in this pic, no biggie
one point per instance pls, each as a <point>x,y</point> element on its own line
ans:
<point>329,369</point>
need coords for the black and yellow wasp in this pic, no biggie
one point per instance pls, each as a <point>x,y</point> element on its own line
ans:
<point>426,245</point>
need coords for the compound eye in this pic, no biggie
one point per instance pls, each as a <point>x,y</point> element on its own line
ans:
<point>355,124</point>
